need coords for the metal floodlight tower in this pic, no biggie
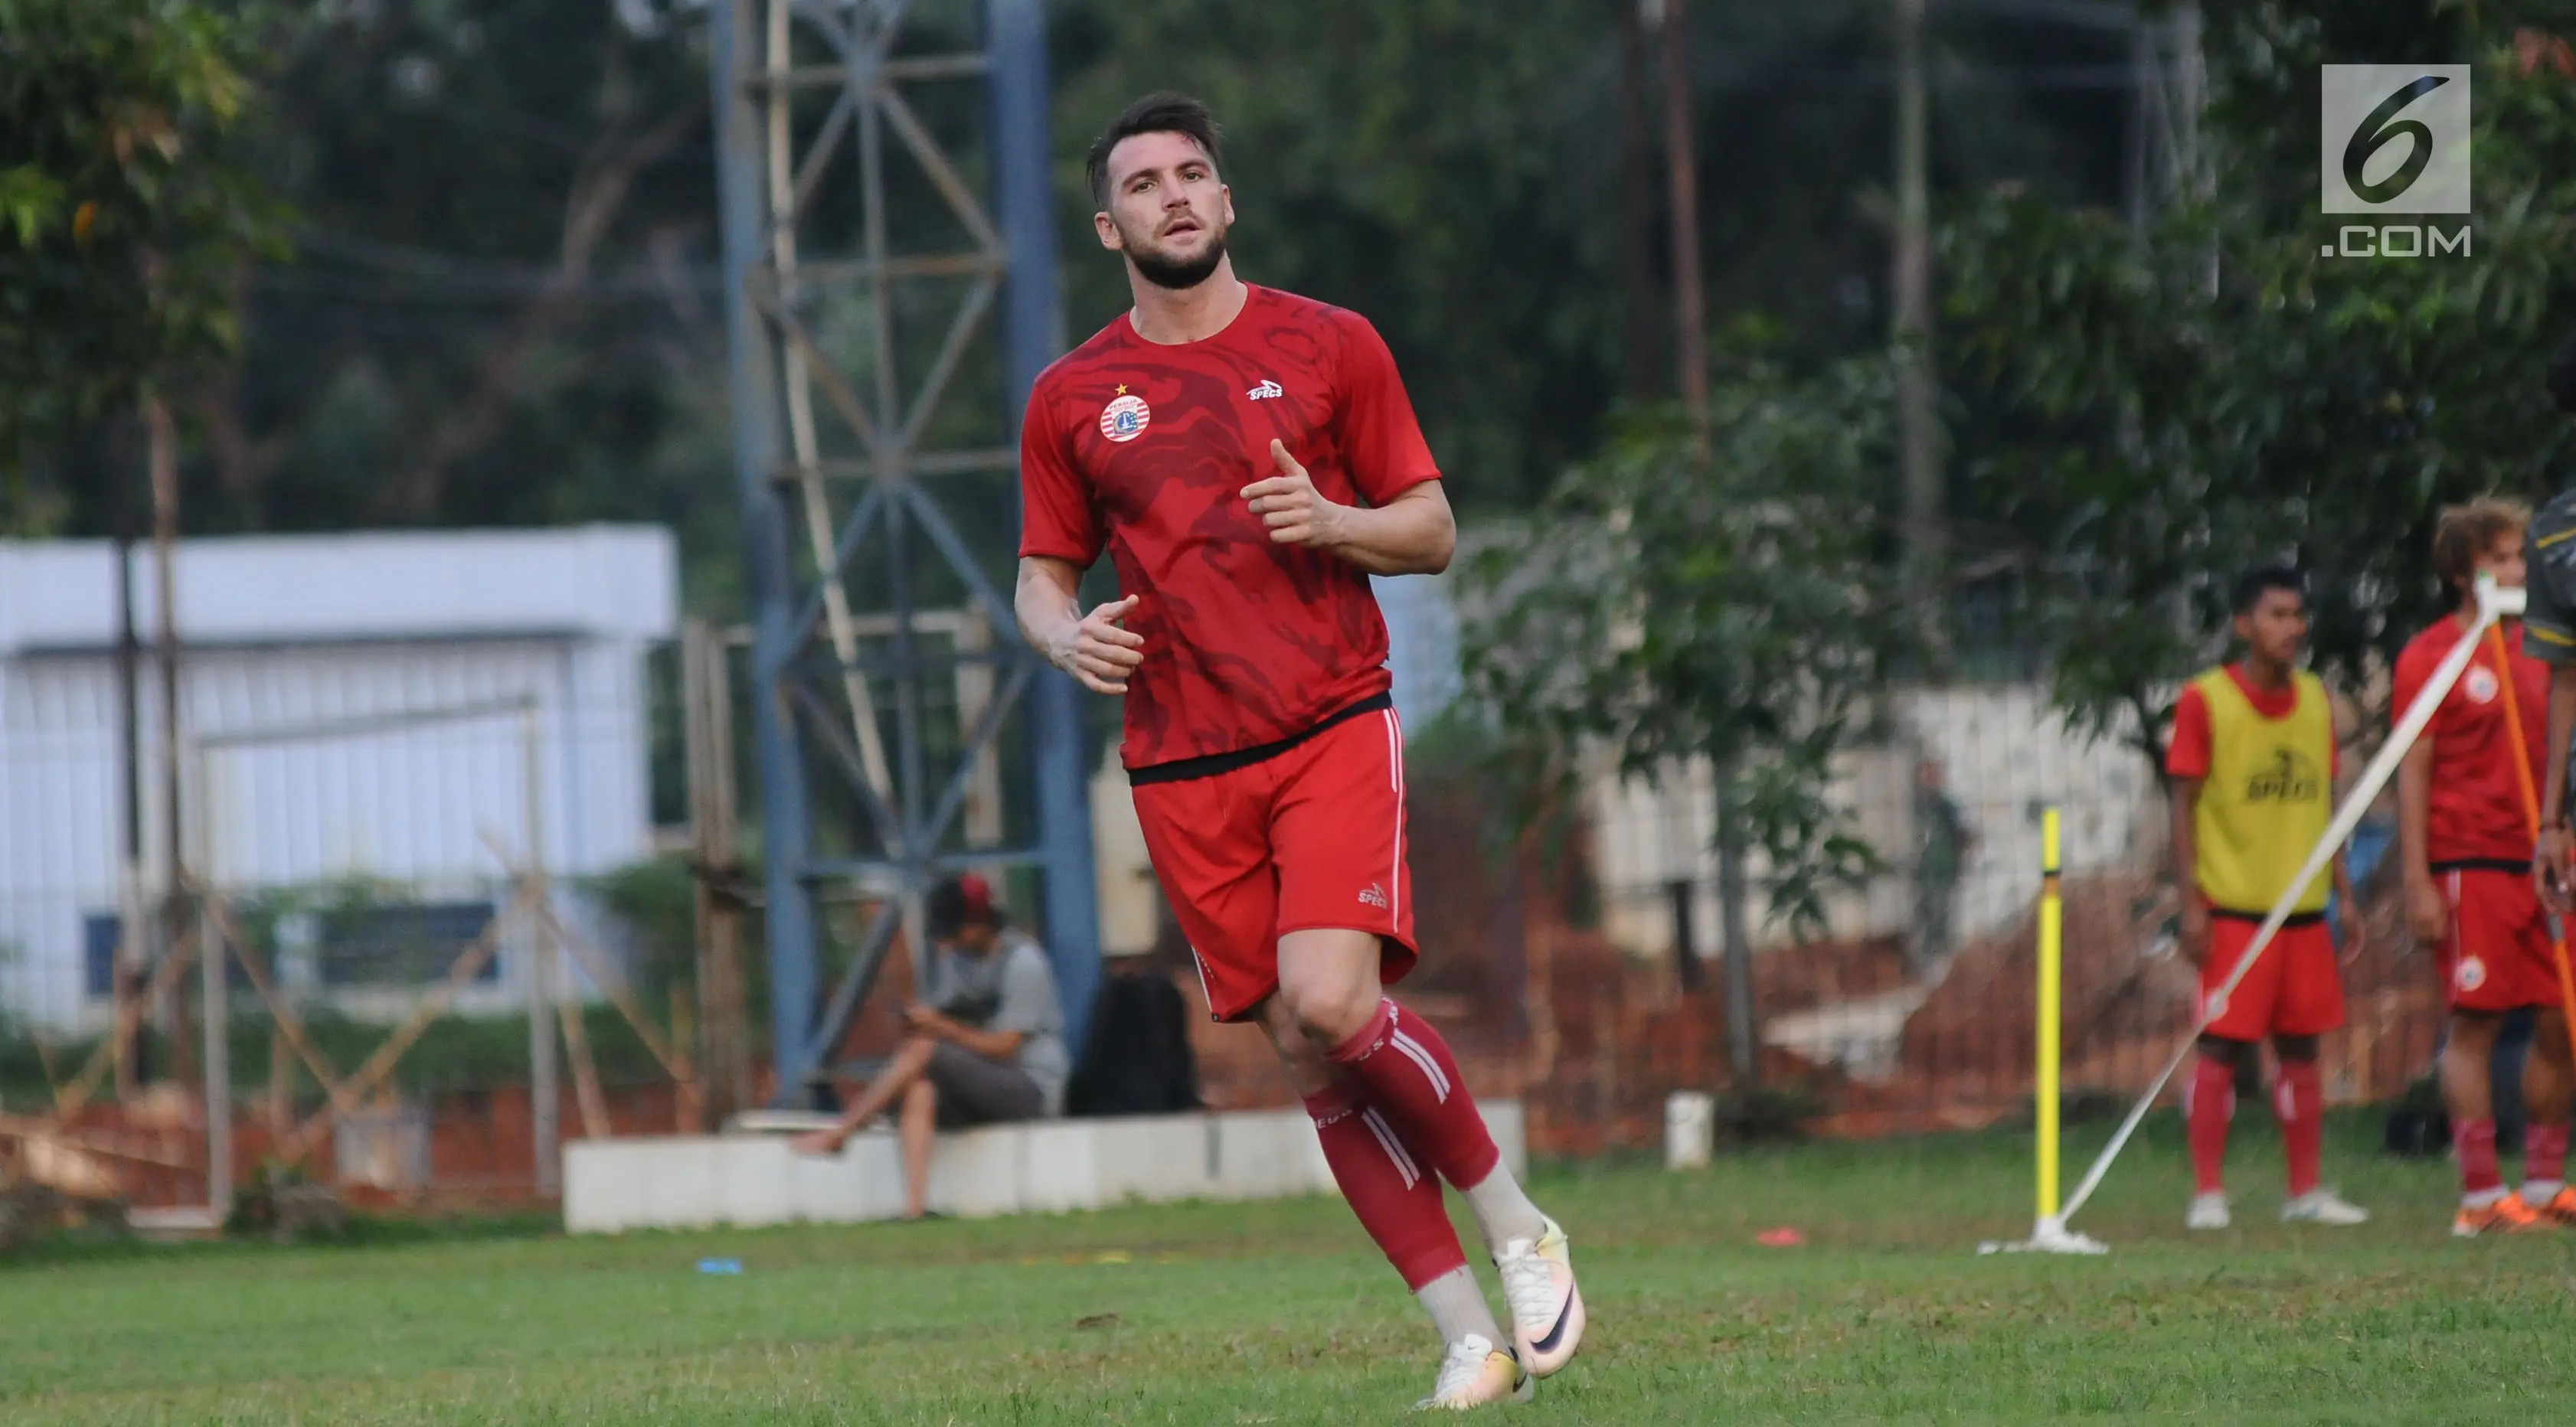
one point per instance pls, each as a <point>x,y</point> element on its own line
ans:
<point>816,123</point>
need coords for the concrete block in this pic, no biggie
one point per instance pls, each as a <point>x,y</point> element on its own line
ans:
<point>682,1182</point>
<point>976,1173</point>
<point>604,1186</point>
<point>1156,1159</point>
<point>1059,1168</point>
<point>870,1183</point>
<point>695,1181</point>
<point>1259,1156</point>
<point>753,1181</point>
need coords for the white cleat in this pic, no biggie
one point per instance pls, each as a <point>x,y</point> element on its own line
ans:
<point>1547,1309</point>
<point>2324,1206</point>
<point>1475,1373</point>
<point>2208,1211</point>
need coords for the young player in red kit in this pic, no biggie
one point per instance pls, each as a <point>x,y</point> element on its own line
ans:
<point>2252,765</point>
<point>1248,458</point>
<point>2466,838</point>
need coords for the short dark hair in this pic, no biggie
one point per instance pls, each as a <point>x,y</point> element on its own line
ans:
<point>2562,376</point>
<point>2261,580</point>
<point>1163,113</point>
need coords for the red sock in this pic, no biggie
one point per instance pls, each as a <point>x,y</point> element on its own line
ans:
<point>2206,1108</point>
<point>1406,1072</point>
<point>2474,1142</point>
<point>2300,1099</point>
<point>1396,1198</point>
<point>2544,1153</point>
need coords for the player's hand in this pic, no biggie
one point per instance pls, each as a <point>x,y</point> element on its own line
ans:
<point>1291,508</point>
<point>2554,866</point>
<point>923,1021</point>
<point>2356,936</point>
<point>2194,940</point>
<point>2428,916</point>
<point>1101,652</point>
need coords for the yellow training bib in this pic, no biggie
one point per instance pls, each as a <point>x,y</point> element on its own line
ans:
<point>2268,797</point>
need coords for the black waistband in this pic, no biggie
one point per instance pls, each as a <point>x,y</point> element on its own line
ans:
<point>2484,864</point>
<point>1209,765</point>
<point>2296,919</point>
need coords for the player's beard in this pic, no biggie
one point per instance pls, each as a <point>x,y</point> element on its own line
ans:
<point>1178,274</point>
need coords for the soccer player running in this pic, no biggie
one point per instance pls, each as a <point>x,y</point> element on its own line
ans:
<point>2252,767</point>
<point>1249,458</point>
<point>2466,837</point>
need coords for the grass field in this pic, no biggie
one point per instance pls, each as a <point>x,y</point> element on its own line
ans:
<point>1280,1313</point>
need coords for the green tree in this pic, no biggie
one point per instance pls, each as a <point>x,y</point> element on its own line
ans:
<point>127,210</point>
<point>1667,604</point>
<point>2215,390</point>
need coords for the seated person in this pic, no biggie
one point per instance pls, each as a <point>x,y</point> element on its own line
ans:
<point>987,1047</point>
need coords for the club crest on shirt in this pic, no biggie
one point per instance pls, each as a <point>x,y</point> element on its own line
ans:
<point>2471,975</point>
<point>1125,417</point>
<point>2480,682</point>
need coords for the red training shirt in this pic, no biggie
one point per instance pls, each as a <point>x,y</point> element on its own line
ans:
<point>2476,811</point>
<point>2187,755</point>
<point>1146,448</point>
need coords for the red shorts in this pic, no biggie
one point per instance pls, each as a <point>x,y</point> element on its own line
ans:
<point>1307,838</point>
<point>2293,990</point>
<point>2496,955</point>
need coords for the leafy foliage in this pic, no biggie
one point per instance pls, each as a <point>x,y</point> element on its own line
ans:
<point>127,209</point>
<point>1668,605</point>
<point>2214,390</point>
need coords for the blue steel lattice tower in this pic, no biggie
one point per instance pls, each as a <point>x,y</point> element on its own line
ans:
<point>879,720</point>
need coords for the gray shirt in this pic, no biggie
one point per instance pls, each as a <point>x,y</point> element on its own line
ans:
<point>1011,989</point>
<point>2549,616</point>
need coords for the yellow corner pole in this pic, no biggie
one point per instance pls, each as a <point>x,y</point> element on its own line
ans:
<point>2051,932</point>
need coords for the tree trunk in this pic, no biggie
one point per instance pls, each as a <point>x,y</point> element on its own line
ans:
<point>1919,433</point>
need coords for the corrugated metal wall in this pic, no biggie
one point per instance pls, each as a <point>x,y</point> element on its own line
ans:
<point>410,803</point>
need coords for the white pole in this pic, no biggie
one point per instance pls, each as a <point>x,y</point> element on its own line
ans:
<point>544,1096</point>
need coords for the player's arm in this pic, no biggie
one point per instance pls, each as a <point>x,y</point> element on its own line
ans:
<point>992,1045</point>
<point>1091,647</point>
<point>2356,930</point>
<point>2186,855</point>
<point>2426,915</point>
<point>1413,533</point>
<point>2549,632</point>
<point>2555,843</point>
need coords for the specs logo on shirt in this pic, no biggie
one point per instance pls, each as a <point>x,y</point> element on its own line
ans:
<point>1265,391</point>
<point>2288,778</point>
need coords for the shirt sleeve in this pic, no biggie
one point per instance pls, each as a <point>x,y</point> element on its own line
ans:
<point>2404,684</point>
<point>1380,437</point>
<point>2549,608</point>
<point>2187,755</point>
<point>1029,1003</point>
<point>1058,519</point>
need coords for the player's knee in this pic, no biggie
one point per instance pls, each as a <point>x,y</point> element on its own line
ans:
<point>1326,1014</point>
<point>2298,1049</point>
